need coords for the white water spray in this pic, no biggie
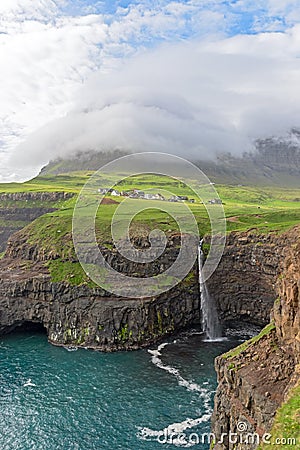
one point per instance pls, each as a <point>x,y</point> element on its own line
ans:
<point>210,322</point>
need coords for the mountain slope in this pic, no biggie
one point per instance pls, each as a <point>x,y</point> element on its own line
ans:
<point>276,162</point>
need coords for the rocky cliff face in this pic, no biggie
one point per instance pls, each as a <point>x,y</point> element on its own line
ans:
<point>244,284</point>
<point>243,287</point>
<point>93,318</point>
<point>255,379</point>
<point>34,196</point>
<point>81,315</point>
<point>280,154</point>
<point>274,162</point>
<point>287,307</point>
<point>20,208</point>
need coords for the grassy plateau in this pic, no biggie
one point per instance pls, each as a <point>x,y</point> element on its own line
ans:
<point>266,209</point>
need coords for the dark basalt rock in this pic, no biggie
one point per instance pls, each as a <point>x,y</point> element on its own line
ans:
<point>244,283</point>
<point>254,382</point>
<point>243,287</point>
<point>21,208</point>
<point>93,318</point>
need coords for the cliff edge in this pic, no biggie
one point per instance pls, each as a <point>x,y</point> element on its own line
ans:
<point>257,402</point>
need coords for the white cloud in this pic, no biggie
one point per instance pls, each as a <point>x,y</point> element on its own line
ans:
<point>45,56</point>
<point>194,99</point>
<point>20,10</point>
<point>280,7</point>
<point>223,88</point>
<point>41,69</point>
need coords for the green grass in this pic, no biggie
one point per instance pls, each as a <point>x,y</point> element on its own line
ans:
<point>287,423</point>
<point>247,344</point>
<point>262,209</point>
<point>68,272</point>
<point>51,234</point>
<point>49,183</point>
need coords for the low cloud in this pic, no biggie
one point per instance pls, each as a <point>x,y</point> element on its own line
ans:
<point>194,99</point>
<point>77,75</point>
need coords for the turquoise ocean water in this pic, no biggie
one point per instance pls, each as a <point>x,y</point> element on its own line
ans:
<point>52,398</point>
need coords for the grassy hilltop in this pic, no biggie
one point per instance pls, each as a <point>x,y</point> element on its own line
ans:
<point>264,208</point>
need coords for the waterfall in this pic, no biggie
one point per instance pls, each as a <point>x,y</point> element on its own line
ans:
<point>210,322</point>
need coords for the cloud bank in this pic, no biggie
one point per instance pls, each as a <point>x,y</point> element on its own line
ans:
<point>191,77</point>
<point>194,99</point>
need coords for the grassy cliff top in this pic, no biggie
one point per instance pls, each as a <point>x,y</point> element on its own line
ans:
<point>262,209</point>
<point>268,209</point>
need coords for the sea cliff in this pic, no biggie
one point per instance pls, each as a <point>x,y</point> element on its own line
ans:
<point>263,375</point>
<point>256,270</point>
<point>40,284</point>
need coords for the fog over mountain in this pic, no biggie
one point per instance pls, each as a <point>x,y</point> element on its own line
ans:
<point>274,161</point>
<point>196,78</point>
<point>194,99</point>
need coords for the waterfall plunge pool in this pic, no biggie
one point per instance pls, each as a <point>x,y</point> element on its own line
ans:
<point>54,398</point>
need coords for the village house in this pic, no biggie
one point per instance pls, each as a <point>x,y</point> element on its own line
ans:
<point>115,193</point>
<point>103,190</point>
<point>178,198</point>
<point>137,194</point>
<point>149,196</point>
<point>140,194</point>
<point>215,201</point>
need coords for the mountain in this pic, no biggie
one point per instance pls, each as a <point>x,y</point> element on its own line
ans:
<point>275,161</point>
<point>81,161</point>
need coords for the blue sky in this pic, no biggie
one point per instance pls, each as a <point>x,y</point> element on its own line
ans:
<point>57,53</point>
<point>239,16</point>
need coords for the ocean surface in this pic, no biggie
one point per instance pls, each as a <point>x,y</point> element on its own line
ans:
<point>54,398</point>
